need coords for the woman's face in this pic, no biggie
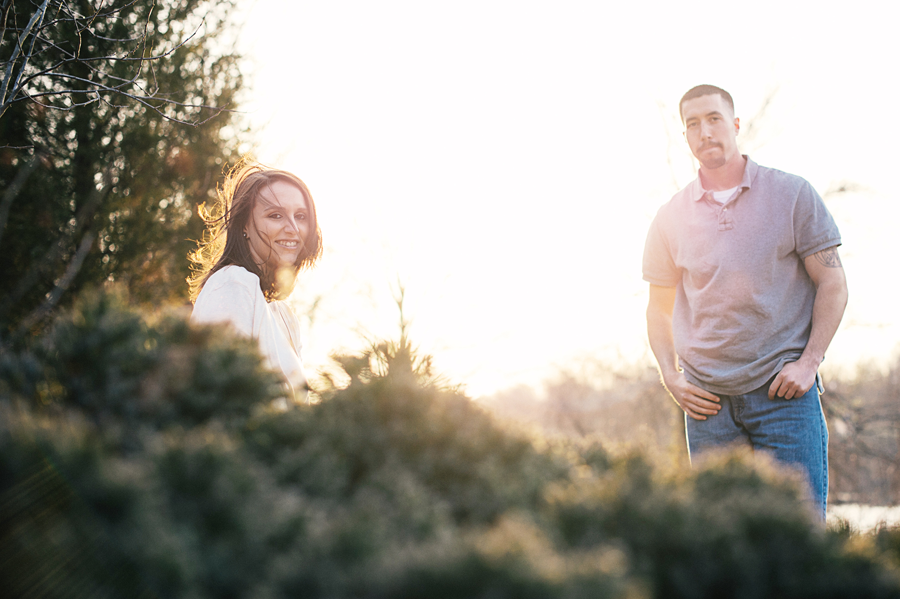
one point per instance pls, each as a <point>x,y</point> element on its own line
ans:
<point>279,225</point>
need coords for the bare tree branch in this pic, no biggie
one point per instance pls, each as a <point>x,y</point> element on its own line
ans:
<point>73,57</point>
<point>56,251</point>
<point>23,38</point>
<point>756,130</point>
<point>38,33</point>
<point>14,188</point>
<point>61,286</point>
<point>663,112</point>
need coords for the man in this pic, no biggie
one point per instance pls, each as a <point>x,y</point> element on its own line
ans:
<point>746,292</point>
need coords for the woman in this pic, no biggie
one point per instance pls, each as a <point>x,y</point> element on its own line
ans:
<point>261,232</point>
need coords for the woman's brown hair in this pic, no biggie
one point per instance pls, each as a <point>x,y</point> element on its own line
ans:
<point>223,242</point>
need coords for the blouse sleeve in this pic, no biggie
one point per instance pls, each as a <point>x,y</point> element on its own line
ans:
<point>291,325</point>
<point>232,295</point>
<point>227,296</point>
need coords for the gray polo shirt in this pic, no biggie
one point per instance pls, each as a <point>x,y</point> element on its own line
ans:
<point>743,304</point>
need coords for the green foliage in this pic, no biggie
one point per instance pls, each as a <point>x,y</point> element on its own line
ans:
<point>626,406</point>
<point>115,173</point>
<point>106,363</point>
<point>513,558</point>
<point>887,542</point>
<point>375,429</point>
<point>147,457</point>
<point>737,528</point>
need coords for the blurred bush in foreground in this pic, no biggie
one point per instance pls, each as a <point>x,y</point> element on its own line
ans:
<point>626,406</point>
<point>150,458</point>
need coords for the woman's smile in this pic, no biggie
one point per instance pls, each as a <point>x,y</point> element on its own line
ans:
<point>279,226</point>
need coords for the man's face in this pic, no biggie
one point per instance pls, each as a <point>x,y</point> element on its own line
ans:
<point>710,129</point>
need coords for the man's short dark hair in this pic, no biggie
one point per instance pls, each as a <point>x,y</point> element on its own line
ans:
<point>704,90</point>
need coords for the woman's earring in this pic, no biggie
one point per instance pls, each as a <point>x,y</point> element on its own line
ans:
<point>245,235</point>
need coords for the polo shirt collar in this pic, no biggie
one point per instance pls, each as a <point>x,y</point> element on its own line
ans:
<point>696,191</point>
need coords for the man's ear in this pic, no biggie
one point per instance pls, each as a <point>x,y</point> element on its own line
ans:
<point>737,125</point>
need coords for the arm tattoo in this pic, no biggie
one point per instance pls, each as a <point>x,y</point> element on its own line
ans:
<point>829,257</point>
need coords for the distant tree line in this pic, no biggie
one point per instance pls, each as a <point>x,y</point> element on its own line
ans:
<point>863,413</point>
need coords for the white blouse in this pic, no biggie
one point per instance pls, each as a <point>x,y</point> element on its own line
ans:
<point>233,295</point>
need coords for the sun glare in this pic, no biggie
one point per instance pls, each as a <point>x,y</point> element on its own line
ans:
<point>505,169</point>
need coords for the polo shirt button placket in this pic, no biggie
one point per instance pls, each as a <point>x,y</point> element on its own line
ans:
<point>725,223</point>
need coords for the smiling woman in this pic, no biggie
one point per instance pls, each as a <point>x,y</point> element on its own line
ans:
<point>278,227</point>
<point>261,232</point>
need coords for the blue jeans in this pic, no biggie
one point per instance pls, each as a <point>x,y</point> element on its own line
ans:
<point>793,431</point>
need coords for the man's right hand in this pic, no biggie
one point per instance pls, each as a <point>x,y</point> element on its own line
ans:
<point>696,402</point>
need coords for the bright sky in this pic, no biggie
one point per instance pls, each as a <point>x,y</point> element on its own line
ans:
<point>503,160</point>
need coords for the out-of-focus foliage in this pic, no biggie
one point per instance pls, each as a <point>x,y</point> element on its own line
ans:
<point>628,407</point>
<point>625,405</point>
<point>887,542</point>
<point>118,477</point>
<point>113,174</point>
<point>111,366</point>
<point>864,419</point>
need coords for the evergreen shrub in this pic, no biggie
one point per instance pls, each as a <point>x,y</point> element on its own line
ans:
<point>148,457</point>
